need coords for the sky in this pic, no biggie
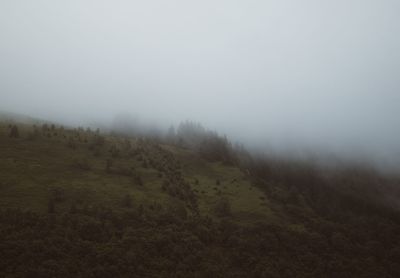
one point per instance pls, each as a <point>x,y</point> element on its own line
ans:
<point>282,74</point>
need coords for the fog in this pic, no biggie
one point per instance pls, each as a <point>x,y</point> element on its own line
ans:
<point>284,75</point>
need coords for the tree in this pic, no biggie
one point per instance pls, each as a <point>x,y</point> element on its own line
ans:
<point>14,133</point>
<point>71,143</point>
<point>171,134</point>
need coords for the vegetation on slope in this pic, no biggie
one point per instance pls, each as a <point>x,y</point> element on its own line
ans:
<point>80,203</point>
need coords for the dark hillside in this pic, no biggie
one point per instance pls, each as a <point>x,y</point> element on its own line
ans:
<point>82,203</point>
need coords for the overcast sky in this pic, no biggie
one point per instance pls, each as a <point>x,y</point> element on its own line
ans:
<point>305,73</point>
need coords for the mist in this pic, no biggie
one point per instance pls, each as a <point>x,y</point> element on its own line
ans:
<point>277,75</point>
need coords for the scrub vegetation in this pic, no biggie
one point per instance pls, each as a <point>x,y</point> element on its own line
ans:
<point>78,202</point>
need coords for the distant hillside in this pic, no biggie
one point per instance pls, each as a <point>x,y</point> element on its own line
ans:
<point>83,203</point>
<point>18,118</point>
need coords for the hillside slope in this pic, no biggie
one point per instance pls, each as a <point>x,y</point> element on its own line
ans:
<point>79,203</point>
<point>85,168</point>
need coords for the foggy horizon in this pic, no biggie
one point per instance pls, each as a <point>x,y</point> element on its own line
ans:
<point>276,75</point>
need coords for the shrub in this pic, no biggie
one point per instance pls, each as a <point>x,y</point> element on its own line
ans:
<point>223,207</point>
<point>71,144</point>
<point>177,209</point>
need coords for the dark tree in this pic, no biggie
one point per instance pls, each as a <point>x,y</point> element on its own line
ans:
<point>14,133</point>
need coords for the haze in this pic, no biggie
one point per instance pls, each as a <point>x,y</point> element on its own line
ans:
<point>278,74</point>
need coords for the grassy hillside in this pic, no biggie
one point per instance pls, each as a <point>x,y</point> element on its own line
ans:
<point>80,203</point>
<point>70,166</point>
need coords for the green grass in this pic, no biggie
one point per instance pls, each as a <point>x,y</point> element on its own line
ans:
<point>248,203</point>
<point>31,169</point>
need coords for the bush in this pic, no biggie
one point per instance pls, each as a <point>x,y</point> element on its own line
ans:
<point>177,209</point>
<point>222,208</point>
<point>71,144</point>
